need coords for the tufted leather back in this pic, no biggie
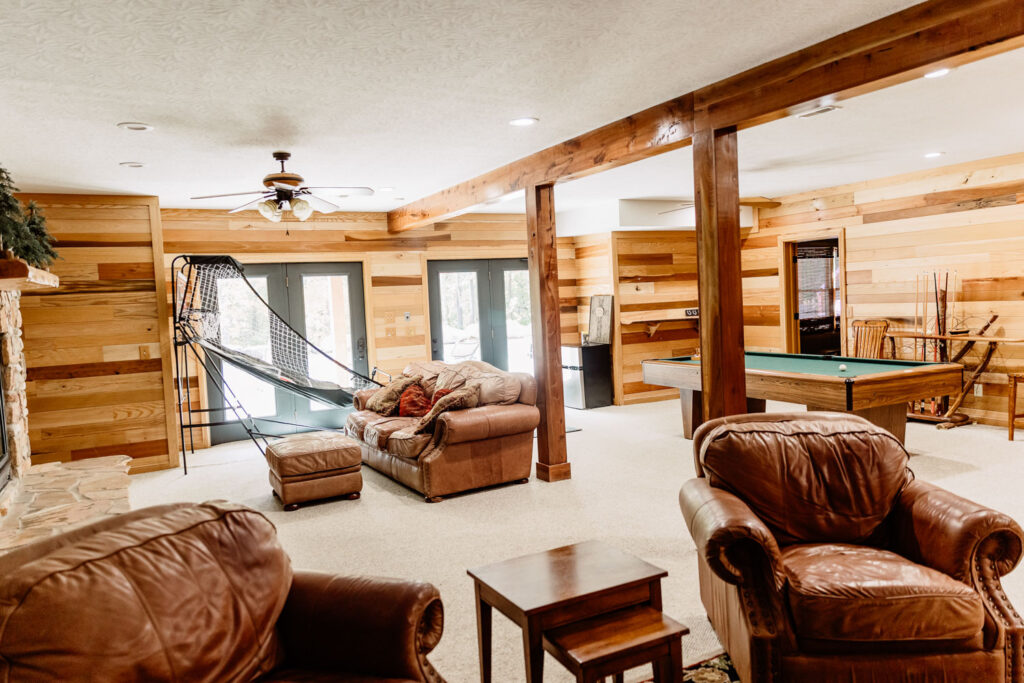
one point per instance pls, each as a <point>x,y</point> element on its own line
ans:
<point>175,592</point>
<point>811,477</point>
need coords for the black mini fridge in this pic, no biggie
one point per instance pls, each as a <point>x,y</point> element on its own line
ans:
<point>587,375</point>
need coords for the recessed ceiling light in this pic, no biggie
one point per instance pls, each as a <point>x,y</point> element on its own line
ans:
<point>136,126</point>
<point>385,189</point>
<point>132,164</point>
<point>933,155</point>
<point>938,73</point>
<point>399,199</point>
<point>524,121</point>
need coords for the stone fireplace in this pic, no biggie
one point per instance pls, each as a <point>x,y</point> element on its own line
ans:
<point>40,500</point>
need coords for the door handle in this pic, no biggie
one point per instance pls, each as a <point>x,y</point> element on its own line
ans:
<point>361,348</point>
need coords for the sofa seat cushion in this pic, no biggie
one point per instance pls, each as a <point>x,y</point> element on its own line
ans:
<point>359,419</point>
<point>406,443</point>
<point>844,592</point>
<point>301,454</point>
<point>377,434</point>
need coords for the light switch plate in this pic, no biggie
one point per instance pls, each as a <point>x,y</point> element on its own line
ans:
<point>977,390</point>
<point>407,316</point>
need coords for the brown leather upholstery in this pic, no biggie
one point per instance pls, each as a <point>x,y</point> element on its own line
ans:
<point>469,449</point>
<point>860,572</point>
<point>202,593</point>
<point>314,466</point>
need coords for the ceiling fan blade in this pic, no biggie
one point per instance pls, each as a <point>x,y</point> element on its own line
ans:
<point>347,191</point>
<point>248,205</point>
<point>759,202</point>
<point>232,194</point>
<point>320,204</point>
<point>682,206</point>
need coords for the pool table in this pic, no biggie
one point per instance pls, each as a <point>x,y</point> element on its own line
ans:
<point>877,390</point>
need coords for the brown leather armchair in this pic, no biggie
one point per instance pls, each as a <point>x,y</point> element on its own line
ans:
<point>203,593</point>
<point>822,559</point>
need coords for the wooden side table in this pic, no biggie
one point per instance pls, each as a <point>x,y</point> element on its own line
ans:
<point>1012,414</point>
<point>545,590</point>
<point>610,644</point>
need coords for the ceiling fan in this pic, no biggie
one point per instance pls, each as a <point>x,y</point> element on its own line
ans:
<point>756,202</point>
<point>285,192</point>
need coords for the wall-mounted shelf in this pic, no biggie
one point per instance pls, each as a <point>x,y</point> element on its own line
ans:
<point>15,274</point>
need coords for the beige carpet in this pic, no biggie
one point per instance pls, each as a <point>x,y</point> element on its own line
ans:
<point>627,465</point>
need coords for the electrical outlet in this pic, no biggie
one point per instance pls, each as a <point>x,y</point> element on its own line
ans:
<point>977,390</point>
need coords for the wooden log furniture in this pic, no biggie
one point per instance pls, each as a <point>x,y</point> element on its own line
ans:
<point>877,390</point>
<point>868,338</point>
<point>1011,402</point>
<point>951,418</point>
<point>585,585</point>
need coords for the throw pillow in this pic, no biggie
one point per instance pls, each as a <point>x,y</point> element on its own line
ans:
<point>457,400</point>
<point>385,400</point>
<point>438,395</point>
<point>414,402</point>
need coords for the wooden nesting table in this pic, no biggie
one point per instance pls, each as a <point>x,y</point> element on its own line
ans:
<point>594,607</point>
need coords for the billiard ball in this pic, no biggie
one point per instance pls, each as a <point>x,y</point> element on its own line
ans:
<point>842,367</point>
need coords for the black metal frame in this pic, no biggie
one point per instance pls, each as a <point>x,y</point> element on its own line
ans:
<point>6,469</point>
<point>185,341</point>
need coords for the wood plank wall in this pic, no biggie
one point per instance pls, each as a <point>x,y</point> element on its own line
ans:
<point>99,370</point>
<point>656,278</point>
<point>967,218</point>
<point>394,266</point>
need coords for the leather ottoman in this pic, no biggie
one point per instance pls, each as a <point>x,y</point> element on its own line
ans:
<point>314,466</point>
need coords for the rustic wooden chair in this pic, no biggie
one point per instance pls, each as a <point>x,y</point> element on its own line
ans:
<point>868,337</point>
<point>1012,414</point>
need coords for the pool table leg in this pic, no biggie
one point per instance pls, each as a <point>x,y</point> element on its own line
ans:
<point>892,418</point>
<point>692,404</point>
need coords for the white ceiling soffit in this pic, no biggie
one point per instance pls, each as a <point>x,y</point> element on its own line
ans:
<point>414,95</point>
<point>972,113</point>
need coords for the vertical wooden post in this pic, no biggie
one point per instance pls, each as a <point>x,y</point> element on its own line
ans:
<point>542,250</point>
<point>716,186</point>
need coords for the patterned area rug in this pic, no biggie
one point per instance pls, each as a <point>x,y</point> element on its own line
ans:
<point>715,670</point>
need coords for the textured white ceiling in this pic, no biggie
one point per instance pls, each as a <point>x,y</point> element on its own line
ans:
<point>414,94</point>
<point>973,113</point>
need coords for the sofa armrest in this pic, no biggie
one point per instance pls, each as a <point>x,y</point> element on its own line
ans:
<point>940,529</point>
<point>728,534</point>
<point>485,422</point>
<point>360,398</point>
<point>366,625</point>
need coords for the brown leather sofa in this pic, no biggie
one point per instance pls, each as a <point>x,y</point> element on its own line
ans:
<point>468,449</point>
<point>821,559</point>
<point>205,592</point>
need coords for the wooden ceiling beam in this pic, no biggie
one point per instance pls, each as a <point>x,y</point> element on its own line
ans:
<point>890,50</point>
<point>659,129</point>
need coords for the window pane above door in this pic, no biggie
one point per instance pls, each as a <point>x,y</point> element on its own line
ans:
<point>460,316</point>
<point>518,327</point>
<point>328,327</point>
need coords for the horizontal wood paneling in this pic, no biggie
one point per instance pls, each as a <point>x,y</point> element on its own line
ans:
<point>98,368</point>
<point>967,218</point>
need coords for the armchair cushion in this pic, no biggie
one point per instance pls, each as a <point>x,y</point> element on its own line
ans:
<point>833,478</point>
<point>857,593</point>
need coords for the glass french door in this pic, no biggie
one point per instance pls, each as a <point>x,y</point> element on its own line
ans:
<point>480,310</point>
<point>324,303</point>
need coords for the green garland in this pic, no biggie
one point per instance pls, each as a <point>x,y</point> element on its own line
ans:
<point>23,232</point>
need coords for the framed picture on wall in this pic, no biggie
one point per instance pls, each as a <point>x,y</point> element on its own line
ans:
<point>600,330</point>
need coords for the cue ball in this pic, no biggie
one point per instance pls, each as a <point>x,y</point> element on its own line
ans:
<point>842,367</point>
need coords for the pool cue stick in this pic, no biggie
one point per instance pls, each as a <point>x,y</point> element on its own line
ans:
<point>917,308</point>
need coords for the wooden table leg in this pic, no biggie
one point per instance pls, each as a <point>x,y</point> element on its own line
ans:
<point>483,634</point>
<point>533,650</point>
<point>692,405</point>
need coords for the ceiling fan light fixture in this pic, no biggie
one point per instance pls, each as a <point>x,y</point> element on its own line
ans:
<point>301,209</point>
<point>269,210</point>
